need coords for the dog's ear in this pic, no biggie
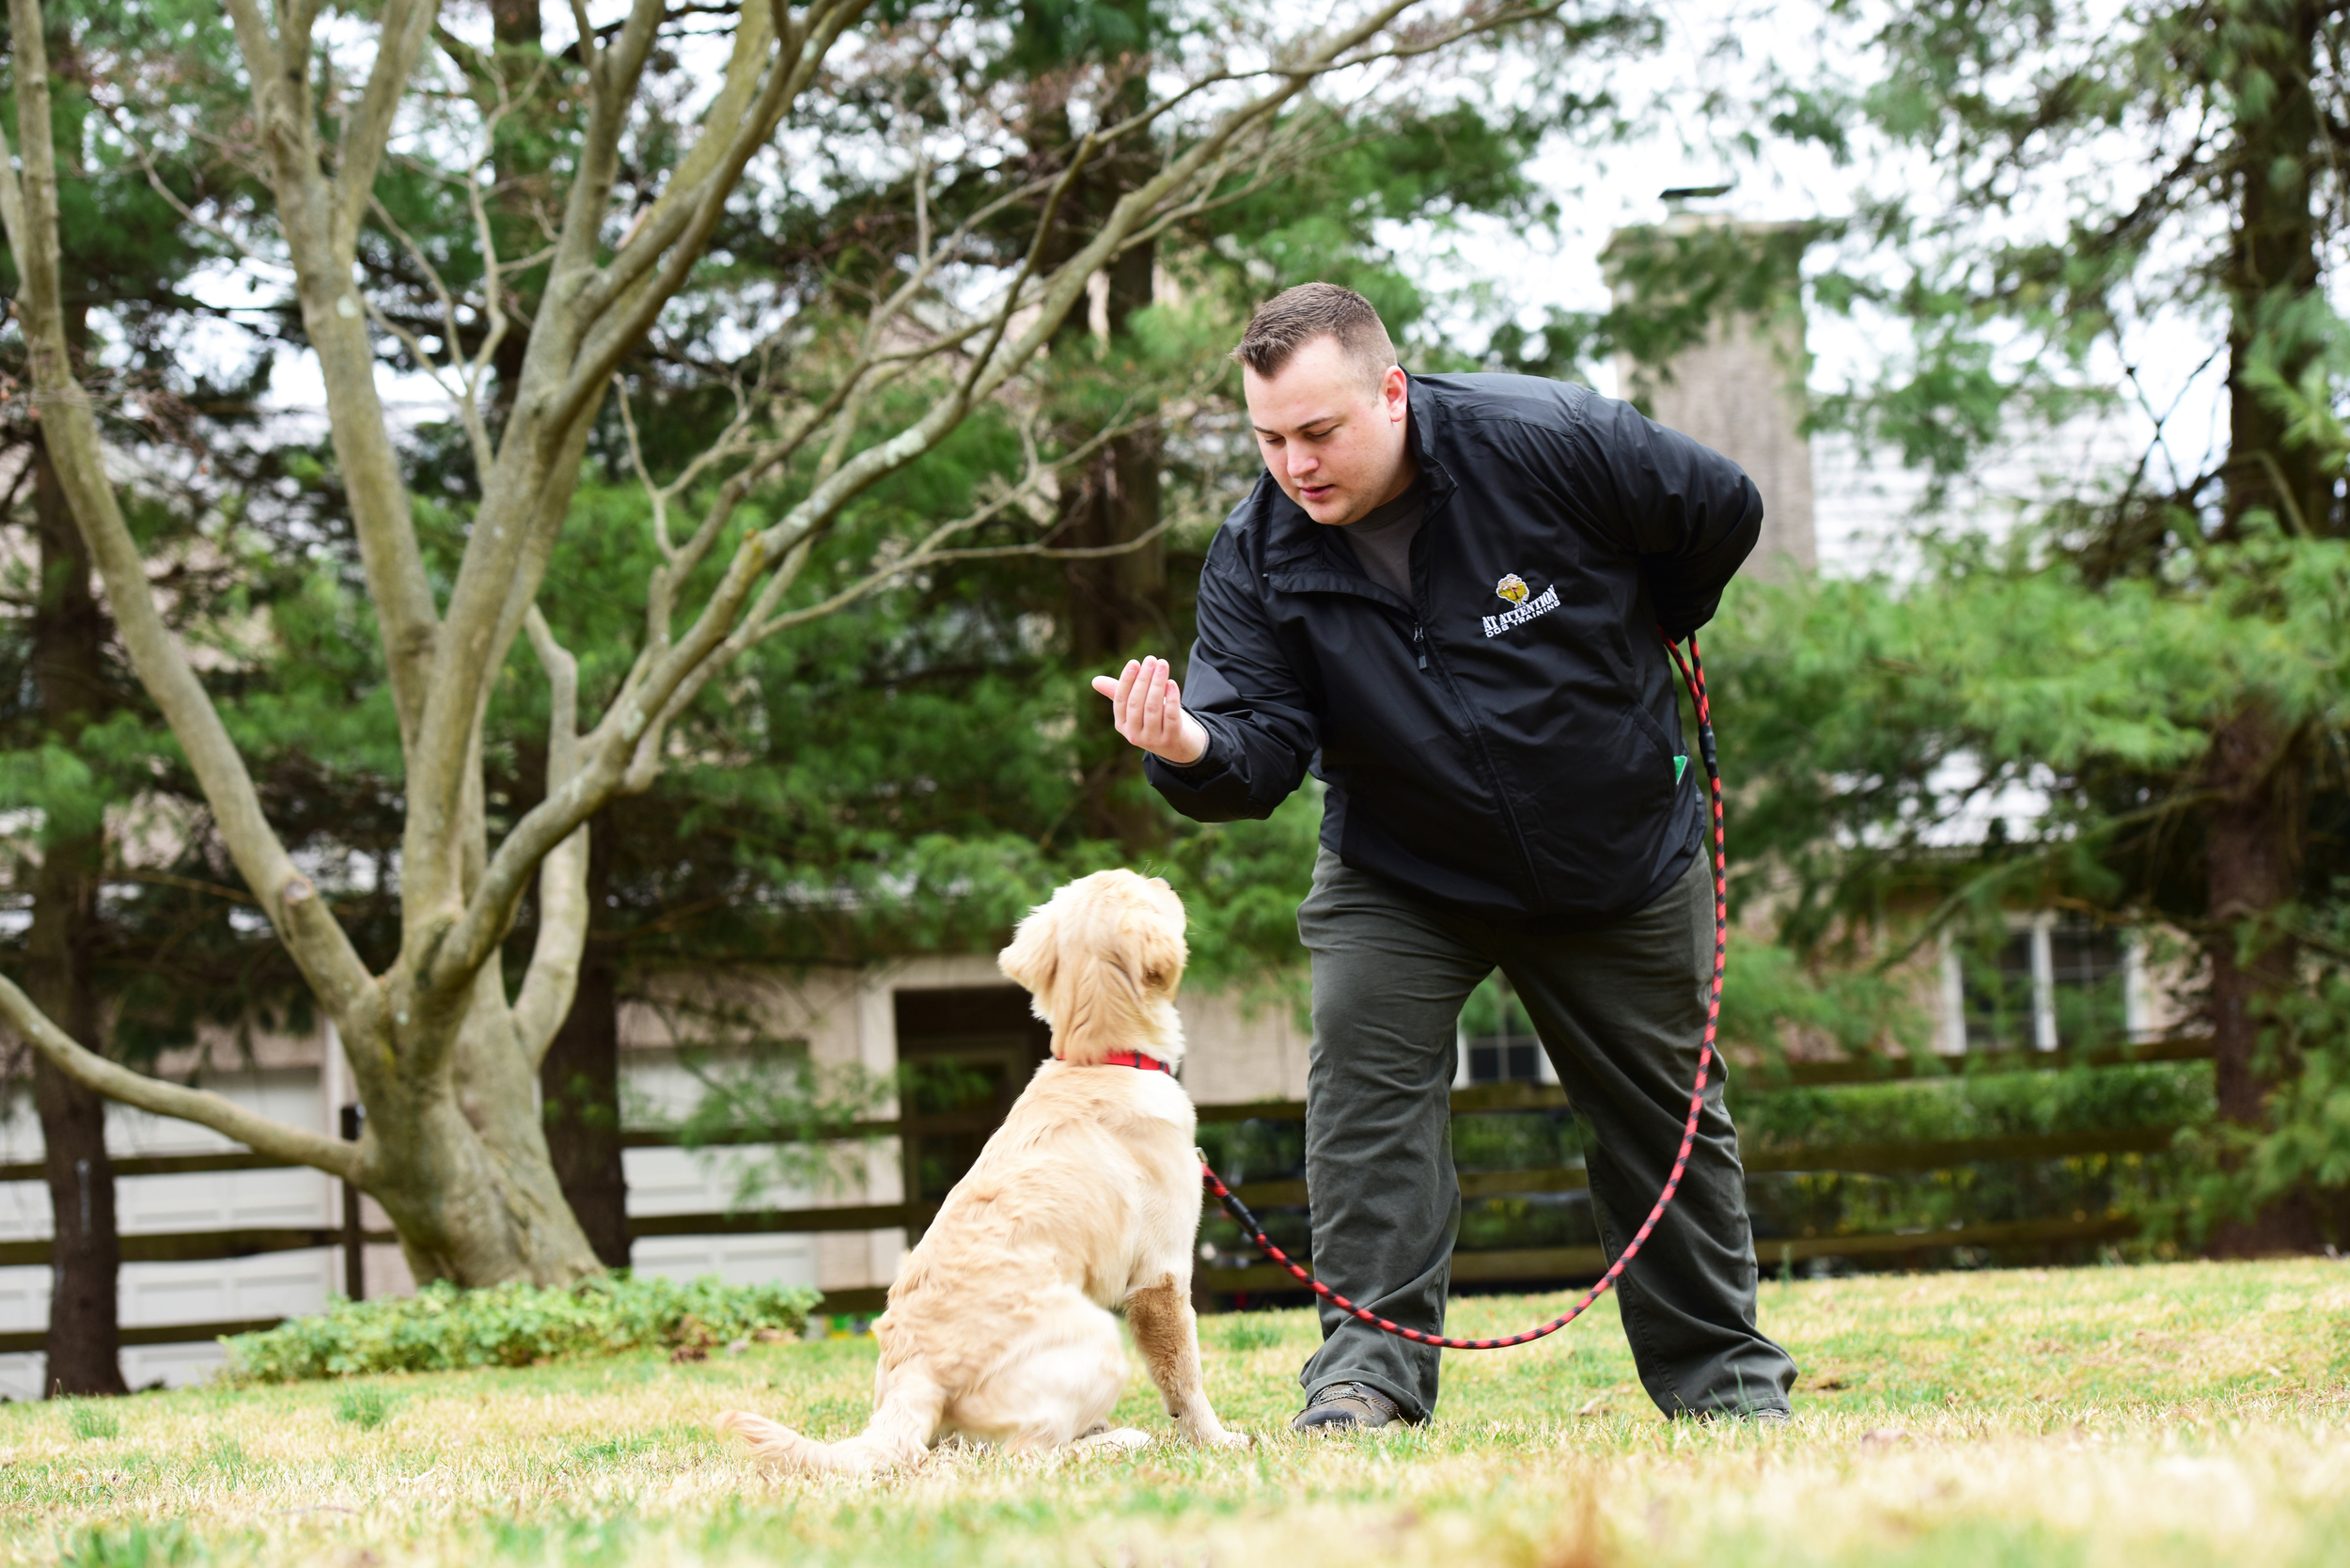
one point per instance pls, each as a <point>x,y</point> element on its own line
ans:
<point>1157,950</point>
<point>1033,960</point>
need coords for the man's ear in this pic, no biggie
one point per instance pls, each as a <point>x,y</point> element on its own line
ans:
<point>1033,960</point>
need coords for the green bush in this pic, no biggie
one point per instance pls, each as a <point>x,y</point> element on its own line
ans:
<point>441,1327</point>
<point>1801,1204</point>
<point>1971,1106</point>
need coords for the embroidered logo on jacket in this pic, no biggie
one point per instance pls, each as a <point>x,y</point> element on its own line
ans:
<point>1522,609</point>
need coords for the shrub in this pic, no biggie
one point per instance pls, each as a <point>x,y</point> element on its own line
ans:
<point>441,1327</point>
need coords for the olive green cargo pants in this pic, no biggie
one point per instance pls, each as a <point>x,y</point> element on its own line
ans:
<point>1621,1010</point>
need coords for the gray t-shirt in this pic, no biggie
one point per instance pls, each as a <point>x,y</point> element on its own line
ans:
<point>1382,542</point>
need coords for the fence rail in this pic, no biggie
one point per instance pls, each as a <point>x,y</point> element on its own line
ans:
<point>1518,1264</point>
<point>36,1340</point>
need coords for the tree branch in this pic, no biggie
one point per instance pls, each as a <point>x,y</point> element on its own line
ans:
<point>524,499</point>
<point>320,246</point>
<point>723,122</point>
<point>552,978</point>
<point>406,27</point>
<point>263,1135</point>
<point>681,229</point>
<point>759,626</point>
<point>611,70</point>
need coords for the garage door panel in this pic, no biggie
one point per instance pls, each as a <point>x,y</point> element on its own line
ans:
<point>222,1201</point>
<point>683,1182</point>
<point>788,1260</point>
<point>24,1299</point>
<point>276,1284</point>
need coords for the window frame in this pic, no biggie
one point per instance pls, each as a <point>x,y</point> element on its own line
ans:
<point>1952,1038</point>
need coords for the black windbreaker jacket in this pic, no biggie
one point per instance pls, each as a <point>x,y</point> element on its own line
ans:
<point>1508,743</point>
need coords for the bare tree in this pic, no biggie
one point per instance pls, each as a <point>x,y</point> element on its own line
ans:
<point>444,1058</point>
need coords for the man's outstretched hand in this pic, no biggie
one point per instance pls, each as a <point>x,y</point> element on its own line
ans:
<point>1147,708</point>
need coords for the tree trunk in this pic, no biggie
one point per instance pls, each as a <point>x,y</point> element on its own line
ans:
<point>1118,600</point>
<point>69,672</point>
<point>2257,834</point>
<point>468,1206</point>
<point>579,1080</point>
<point>2271,268</point>
<point>2253,869</point>
<point>459,1161</point>
<point>1118,604</point>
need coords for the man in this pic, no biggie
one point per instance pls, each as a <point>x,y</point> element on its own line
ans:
<point>1444,597</point>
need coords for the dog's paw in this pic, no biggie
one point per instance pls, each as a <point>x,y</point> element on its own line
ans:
<point>1223,1437</point>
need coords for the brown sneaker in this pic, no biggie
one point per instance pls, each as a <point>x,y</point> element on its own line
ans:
<point>1346,1408</point>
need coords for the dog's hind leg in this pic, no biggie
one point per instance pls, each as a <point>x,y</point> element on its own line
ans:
<point>1054,1385</point>
<point>1167,1333</point>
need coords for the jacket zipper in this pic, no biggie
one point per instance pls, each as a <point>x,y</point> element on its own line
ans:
<point>1493,773</point>
<point>1477,738</point>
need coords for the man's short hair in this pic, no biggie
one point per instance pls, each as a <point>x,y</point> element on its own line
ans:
<point>1295,317</point>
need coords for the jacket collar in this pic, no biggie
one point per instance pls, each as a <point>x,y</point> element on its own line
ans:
<point>1426,427</point>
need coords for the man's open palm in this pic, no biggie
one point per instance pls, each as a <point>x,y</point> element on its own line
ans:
<point>1146,706</point>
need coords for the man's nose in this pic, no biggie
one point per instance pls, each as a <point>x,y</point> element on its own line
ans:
<point>1301,461</point>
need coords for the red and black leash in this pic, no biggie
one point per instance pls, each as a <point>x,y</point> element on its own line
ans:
<point>1693,675</point>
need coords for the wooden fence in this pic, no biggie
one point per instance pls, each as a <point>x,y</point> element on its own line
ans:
<point>1471,1267</point>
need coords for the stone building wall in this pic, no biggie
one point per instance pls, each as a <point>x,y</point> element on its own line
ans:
<point>1741,392</point>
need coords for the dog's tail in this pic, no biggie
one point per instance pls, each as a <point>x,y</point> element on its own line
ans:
<point>900,1433</point>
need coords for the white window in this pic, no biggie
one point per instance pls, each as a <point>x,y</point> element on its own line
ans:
<point>1497,1042</point>
<point>2054,981</point>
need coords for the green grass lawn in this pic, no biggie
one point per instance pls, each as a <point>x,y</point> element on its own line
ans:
<point>2194,1413</point>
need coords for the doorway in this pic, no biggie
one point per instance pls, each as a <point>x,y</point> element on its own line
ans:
<point>966,1054</point>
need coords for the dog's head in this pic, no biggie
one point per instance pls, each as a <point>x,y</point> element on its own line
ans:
<point>1101,960</point>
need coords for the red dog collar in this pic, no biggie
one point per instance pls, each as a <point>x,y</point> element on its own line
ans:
<point>1136,1059</point>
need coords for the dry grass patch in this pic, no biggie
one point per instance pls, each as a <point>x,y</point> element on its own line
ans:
<point>2136,1416</point>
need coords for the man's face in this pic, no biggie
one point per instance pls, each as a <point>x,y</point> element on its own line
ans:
<point>1333,442</point>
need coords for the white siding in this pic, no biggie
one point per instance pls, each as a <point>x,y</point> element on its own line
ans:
<point>273,1285</point>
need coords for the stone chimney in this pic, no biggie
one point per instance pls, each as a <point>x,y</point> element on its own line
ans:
<point>1733,288</point>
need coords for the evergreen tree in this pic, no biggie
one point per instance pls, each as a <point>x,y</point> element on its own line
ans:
<point>2057,195</point>
<point>81,746</point>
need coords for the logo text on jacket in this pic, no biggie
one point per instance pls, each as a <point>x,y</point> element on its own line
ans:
<point>1522,608</point>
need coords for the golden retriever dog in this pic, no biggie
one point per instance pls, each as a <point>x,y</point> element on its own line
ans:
<point>1087,1199</point>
